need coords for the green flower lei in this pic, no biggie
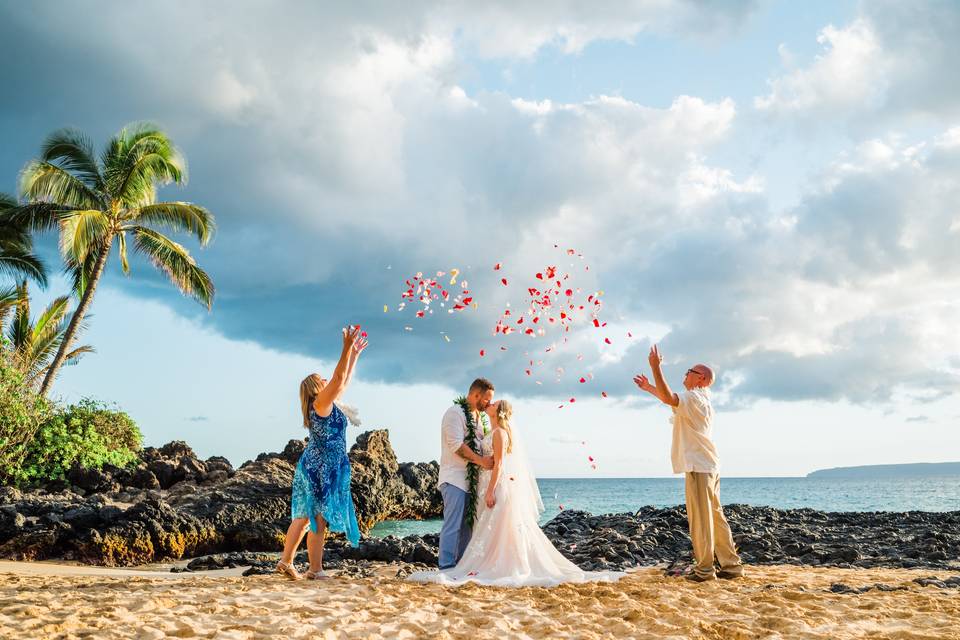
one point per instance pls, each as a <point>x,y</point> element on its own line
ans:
<point>473,471</point>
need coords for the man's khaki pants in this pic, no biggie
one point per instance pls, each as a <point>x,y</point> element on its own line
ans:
<point>709,530</point>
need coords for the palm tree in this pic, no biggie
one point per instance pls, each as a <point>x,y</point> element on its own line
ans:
<point>16,248</point>
<point>97,203</point>
<point>33,344</point>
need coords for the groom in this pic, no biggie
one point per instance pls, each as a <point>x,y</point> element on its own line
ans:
<point>694,455</point>
<point>455,453</point>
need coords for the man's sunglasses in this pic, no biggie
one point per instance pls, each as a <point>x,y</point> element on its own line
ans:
<point>694,371</point>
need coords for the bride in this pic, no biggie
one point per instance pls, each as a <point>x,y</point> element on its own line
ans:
<point>508,549</point>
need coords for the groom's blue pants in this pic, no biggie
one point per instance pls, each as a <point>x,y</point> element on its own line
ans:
<point>455,533</point>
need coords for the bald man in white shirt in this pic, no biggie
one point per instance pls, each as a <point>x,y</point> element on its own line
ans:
<point>694,454</point>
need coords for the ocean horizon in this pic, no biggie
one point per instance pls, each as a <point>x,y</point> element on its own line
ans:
<point>620,495</point>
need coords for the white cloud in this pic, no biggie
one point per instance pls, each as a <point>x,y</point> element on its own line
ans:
<point>849,73</point>
<point>893,60</point>
<point>332,145</point>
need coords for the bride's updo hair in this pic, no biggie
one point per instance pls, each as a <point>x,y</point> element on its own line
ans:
<point>504,413</point>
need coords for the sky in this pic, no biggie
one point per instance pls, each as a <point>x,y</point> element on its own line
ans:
<point>767,187</point>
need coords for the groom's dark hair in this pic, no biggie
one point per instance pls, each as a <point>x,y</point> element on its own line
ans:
<point>481,384</point>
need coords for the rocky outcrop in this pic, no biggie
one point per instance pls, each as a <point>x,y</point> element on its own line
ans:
<point>653,536</point>
<point>174,505</point>
<point>383,489</point>
<point>764,535</point>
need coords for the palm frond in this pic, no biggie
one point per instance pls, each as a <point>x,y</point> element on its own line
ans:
<point>51,320</point>
<point>42,181</point>
<point>179,216</point>
<point>36,216</point>
<point>20,333</point>
<point>122,250</point>
<point>176,262</point>
<point>16,244</point>
<point>73,356</point>
<point>8,301</point>
<point>80,231</point>
<point>73,151</point>
<point>81,272</point>
<point>137,159</point>
<point>16,262</point>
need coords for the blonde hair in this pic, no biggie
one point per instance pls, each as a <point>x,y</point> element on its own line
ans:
<point>504,413</point>
<point>309,389</point>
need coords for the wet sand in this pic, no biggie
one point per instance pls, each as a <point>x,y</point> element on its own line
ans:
<point>40,600</point>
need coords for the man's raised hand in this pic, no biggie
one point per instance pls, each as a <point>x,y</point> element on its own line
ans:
<point>641,381</point>
<point>654,358</point>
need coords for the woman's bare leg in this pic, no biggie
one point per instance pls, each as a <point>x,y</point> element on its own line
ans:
<point>294,535</point>
<point>315,542</point>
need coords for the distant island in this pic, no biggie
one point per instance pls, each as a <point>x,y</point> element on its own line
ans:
<point>914,470</point>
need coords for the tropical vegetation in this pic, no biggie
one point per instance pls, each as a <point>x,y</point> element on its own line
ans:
<point>16,246</point>
<point>41,441</point>
<point>97,203</point>
<point>33,343</point>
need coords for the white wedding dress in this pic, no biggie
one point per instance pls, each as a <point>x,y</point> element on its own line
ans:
<point>508,549</point>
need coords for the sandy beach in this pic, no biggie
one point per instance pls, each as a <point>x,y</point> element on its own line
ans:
<point>40,600</point>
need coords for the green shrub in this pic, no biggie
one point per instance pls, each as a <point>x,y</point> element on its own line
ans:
<point>88,434</point>
<point>22,413</point>
<point>40,441</point>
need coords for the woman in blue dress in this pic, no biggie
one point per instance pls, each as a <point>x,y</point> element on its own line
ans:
<point>321,483</point>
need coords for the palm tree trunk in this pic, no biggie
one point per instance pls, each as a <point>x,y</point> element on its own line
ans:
<point>77,318</point>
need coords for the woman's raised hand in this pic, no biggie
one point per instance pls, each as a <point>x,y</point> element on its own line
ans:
<point>360,345</point>
<point>350,335</point>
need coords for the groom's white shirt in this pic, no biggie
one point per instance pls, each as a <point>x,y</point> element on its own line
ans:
<point>453,433</point>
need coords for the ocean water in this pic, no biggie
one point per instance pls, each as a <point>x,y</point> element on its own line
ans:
<point>617,495</point>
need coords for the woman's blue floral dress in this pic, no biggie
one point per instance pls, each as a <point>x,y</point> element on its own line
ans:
<point>321,483</point>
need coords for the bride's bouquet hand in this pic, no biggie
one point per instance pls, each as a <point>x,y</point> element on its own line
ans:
<point>490,500</point>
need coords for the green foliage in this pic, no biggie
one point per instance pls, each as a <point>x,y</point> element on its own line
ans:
<point>21,414</point>
<point>33,342</point>
<point>41,441</point>
<point>16,247</point>
<point>88,434</point>
<point>96,203</point>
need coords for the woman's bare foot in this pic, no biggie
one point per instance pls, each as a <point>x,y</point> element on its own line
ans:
<point>288,570</point>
